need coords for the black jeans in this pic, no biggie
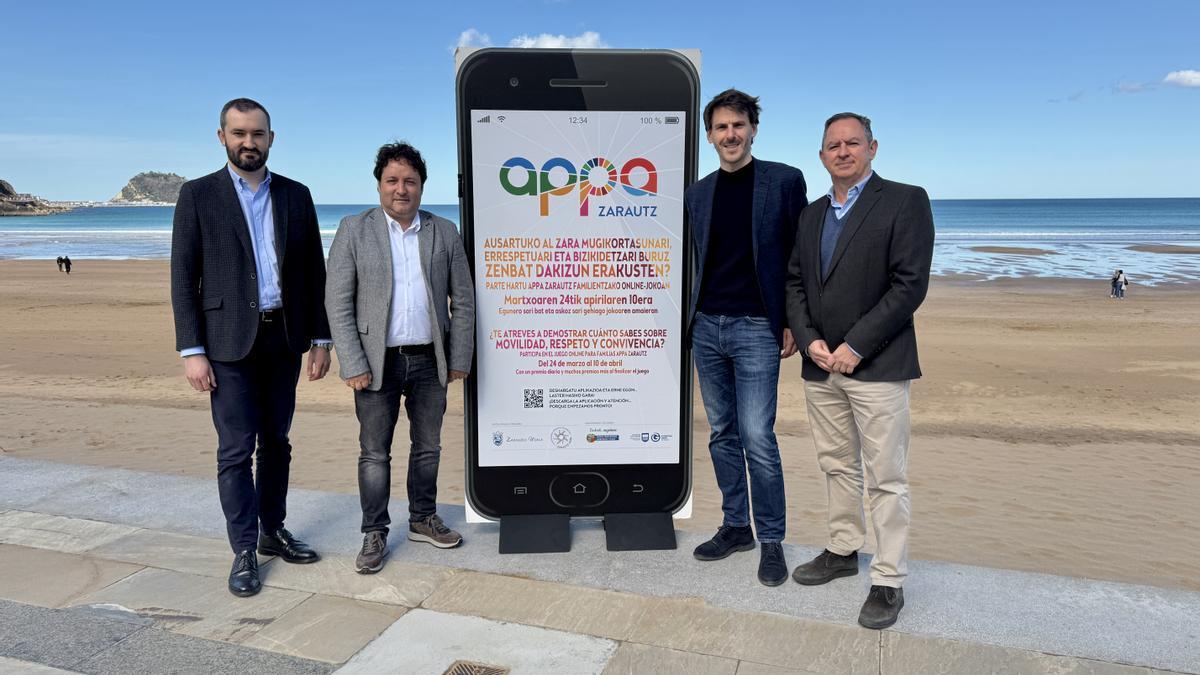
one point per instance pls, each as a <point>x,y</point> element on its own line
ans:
<point>413,377</point>
<point>252,408</point>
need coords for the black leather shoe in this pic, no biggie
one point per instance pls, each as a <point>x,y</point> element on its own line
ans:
<point>882,607</point>
<point>283,544</point>
<point>726,541</point>
<point>825,568</point>
<point>772,568</point>
<point>243,578</point>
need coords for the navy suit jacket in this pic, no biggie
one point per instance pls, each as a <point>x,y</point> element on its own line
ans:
<point>214,291</point>
<point>877,278</point>
<point>779,197</point>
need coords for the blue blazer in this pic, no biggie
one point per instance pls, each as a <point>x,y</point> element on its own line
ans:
<point>779,196</point>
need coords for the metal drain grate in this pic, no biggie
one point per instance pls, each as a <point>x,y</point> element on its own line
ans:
<point>472,668</point>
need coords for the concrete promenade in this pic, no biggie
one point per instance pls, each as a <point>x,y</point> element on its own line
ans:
<point>112,571</point>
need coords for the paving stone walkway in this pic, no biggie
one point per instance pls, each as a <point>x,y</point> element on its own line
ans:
<point>104,570</point>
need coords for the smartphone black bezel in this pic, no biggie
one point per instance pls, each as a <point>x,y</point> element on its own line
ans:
<point>617,80</point>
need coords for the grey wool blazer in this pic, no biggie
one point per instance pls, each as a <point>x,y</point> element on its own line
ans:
<point>358,294</point>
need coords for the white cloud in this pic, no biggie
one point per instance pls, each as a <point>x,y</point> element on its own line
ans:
<point>587,40</point>
<point>473,38</point>
<point>1183,78</point>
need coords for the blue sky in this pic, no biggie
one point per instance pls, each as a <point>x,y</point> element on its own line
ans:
<point>1008,100</point>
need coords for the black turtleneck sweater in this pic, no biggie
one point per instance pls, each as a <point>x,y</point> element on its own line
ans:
<point>730,283</point>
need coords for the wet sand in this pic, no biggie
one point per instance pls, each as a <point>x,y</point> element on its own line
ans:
<point>1012,250</point>
<point>1165,248</point>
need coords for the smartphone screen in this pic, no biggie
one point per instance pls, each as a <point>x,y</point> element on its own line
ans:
<point>574,221</point>
<point>579,235</point>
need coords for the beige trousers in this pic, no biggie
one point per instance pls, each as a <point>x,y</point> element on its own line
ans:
<point>861,429</point>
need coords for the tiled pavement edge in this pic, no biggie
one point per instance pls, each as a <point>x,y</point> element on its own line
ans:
<point>154,544</point>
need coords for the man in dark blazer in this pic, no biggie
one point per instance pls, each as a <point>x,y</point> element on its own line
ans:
<point>743,219</point>
<point>247,288</point>
<point>859,270</point>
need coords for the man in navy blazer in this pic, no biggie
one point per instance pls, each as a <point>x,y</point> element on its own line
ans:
<point>858,273</point>
<point>743,219</point>
<point>247,289</point>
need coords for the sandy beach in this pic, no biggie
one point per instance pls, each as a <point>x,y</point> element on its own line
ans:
<point>1055,429</point>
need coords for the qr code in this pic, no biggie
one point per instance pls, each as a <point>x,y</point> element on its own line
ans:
<point>534,398</point>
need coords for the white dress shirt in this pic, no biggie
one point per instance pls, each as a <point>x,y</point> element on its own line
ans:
<point>408,323</point>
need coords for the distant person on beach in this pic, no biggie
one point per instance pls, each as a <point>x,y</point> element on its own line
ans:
<point>859,270</point>
<point>60,263</point>
<point>1122,283</point>
<point>1113,283</point>
<point>67,264</point>
<point>392,270</point>
<point>248,292</point>
<point>743,224</point>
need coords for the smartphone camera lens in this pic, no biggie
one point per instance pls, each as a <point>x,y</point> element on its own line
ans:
<point>512,82</point>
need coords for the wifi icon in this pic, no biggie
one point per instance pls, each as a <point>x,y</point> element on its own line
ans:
<point>500,118</point>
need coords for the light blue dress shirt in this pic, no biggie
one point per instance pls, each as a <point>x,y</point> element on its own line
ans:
<point>840,210</point>
<point>256,206</point>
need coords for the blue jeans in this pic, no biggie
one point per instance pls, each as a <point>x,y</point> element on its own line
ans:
<point>737,359</point>
<point>415,378</point>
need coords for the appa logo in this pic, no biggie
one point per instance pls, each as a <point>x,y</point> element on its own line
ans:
<point>595,178</point>
<point>497,438</point>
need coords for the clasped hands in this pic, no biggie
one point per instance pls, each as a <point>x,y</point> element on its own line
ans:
<point>841,360</point>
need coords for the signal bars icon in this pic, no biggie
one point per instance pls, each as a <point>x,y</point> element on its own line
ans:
<point>484,120</point>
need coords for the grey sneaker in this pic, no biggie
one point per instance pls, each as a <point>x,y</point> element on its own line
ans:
<point>431,529</point>
<point>374,550</point>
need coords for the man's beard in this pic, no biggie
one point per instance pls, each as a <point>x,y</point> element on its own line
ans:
<point>247,162</point>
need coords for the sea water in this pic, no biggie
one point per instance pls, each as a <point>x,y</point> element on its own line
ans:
<point>1076,238</point>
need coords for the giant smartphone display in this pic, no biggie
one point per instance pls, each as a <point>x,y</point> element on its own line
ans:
<point>573,218</point>
<point>578,250</point>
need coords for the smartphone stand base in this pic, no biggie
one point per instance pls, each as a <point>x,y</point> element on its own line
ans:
<point>535,534</point>
<point>639,531</point>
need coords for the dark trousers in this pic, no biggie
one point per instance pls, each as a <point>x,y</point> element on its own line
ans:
<point>252,409</point>
<point>414,378</point>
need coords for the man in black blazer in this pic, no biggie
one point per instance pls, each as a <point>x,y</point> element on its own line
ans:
<point>743,219</point>
<point>859,270</point>
<point>247,289</point>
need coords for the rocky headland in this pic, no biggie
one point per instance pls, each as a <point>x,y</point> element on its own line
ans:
<point>150,187</point>
<point>13,203</point>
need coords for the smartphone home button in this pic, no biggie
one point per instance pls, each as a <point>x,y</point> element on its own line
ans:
<point>582,488</point>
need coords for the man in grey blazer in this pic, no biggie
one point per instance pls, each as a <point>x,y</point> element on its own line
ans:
<point>859,270</point>
<point>391,271</point>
